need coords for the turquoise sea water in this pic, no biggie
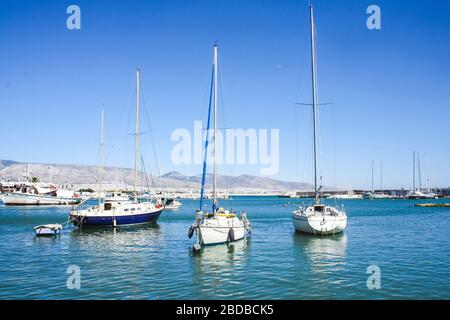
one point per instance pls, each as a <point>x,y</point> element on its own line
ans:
<point>409,244</point>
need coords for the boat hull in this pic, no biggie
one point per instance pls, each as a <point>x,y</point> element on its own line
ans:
<point>319,225</point>
<point>418,197</point>
<point>210,235</point>
<point>171,204</point>
<point>87,221</point>
<point>36,200</point>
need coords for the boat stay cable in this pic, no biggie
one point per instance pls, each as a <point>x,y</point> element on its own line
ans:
<point>152,143</point>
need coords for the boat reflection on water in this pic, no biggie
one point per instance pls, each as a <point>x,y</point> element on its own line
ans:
<point>221,255</point>
<point>216,267</point>
<point>127,239</point>
<point>325,254</point>
<point>47,240</point>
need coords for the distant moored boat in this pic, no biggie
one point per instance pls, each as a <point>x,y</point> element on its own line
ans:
<point>27,193</point>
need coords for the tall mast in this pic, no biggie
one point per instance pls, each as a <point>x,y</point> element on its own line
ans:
<point>414,170</point>
<point>215,129</point>
<point>381,177</point>
<point>136,147</point>
<point>420,174</point>
<point>427,186</point>
<point>313,73</point>
<point>100,161</point>
<point>373,190</point>
<point>28,173</point>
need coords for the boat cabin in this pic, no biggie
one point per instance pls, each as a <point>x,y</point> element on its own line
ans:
<point>117,197</point>
<point>25,189</point>
<point>6,187</point>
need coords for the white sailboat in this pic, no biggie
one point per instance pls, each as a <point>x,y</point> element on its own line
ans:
<point>318,219</point>
<point>219,225</point>
<point>118,210</point>
<point>369,195</point>
<point>429,193</point>
<point>380,194</point>
<point>416,193</point>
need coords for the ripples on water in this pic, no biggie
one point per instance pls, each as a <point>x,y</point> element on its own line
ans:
<point>409,244</point>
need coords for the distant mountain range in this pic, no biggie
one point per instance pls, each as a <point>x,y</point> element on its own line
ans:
<point>243,181</point>
<point>86,175</point>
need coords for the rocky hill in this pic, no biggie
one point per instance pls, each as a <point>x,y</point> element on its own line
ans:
<point>86,175</point>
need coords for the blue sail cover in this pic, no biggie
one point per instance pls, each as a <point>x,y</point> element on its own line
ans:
<point>202,190</point>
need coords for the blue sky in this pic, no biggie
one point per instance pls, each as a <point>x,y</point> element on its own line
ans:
<point>389,88</point>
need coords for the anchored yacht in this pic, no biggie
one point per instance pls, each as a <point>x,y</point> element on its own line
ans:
<point>218,225</point>
<point>318,219</point>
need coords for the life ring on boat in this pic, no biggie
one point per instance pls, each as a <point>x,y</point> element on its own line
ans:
<point>230,235</point>
<point>191,231</point>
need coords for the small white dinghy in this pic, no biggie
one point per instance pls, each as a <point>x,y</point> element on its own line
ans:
<point>48,230</point>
